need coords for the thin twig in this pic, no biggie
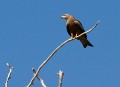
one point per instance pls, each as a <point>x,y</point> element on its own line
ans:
<point>9,74</point>
<point>40,79</point>
<point>60,74</point>
<point>49,57</point>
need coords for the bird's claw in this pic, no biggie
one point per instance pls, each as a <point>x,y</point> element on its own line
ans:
<point>76,36</point>
<point>71,38</point>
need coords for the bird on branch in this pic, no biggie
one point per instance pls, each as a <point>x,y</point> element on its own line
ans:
<point>75,28</point>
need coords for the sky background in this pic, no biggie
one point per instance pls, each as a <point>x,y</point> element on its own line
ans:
<point>31,29</point>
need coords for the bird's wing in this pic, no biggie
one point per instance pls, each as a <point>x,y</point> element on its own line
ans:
<point>79,26</point>
<point>68,29</point>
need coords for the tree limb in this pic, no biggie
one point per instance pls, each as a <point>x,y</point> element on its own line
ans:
<point>60,74</point>
<point>40,79</point>
<point>9,74</point>
<point>49,57</point>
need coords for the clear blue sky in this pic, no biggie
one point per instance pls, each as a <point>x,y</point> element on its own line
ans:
<point>31,29</point>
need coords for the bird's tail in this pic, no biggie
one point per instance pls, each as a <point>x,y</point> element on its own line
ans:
<point>86,43</point>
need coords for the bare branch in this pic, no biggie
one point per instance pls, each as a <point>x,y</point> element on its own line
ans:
<point>60,74</point>
<point>49,57</point>
<point>40,79</point>
<point>9,74</point>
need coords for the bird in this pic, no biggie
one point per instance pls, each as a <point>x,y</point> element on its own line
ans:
<point>75,28</point>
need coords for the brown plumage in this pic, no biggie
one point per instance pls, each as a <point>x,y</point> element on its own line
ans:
<point>75,28</point>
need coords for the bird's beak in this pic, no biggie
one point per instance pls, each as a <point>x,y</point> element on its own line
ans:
<point>63,17</point>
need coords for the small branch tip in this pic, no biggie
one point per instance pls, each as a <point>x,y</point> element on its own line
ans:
<point>9,74</point>
<point>60,74</point>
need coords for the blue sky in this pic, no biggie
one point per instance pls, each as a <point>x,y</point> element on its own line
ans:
<point>31,29</point>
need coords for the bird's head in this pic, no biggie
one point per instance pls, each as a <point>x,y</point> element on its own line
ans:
<point>65,16</point>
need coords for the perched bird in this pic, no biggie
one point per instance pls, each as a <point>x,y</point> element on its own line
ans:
<point>75,28</point>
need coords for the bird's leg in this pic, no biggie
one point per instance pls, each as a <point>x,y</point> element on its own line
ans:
<point>76,35</point>
<point>72,36</point>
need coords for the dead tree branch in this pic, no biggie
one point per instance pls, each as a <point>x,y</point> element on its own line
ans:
<point>40,79</point>
<point>60,74</point>
<point>49,57</point>
<point>9,74</point>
